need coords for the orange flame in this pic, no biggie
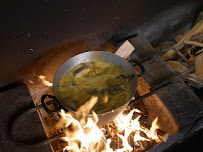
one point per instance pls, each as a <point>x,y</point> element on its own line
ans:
<point>45,82</point>
<point>87,133</point>
<point>92,138</point>
<point>126,124</point>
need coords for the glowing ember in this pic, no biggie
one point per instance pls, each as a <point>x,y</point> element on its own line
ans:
<point>83,135</point>
<point>45,82</point>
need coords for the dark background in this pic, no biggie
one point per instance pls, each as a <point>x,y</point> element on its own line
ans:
<point>30,28</point>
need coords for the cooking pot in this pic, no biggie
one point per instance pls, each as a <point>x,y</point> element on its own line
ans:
<point>103,118</point>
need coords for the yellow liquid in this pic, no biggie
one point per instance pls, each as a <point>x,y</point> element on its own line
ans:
<point>103,79</point>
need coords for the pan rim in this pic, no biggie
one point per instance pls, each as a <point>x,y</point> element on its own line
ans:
<point>92,52</point>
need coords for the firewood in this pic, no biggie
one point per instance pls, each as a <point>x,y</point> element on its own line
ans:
<point>194,80</point>
<point>198,52</point>
<point>142,147</point>
<point>191,56</point>
<point>199,65</point>
<point>125,50</point>
<point>194,43</point>
<point>163,136</point>
<point>178,38</point>
<point>168,55</point>
<point>177,66</point>
<point>145,144</point>
<point>191,59</point>
<point>195,31</point>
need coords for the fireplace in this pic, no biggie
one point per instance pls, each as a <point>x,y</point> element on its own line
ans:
<point>161,92</point>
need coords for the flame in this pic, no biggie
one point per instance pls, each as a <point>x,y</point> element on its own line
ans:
<point>83,134</point>
<point>45,82</point>
<point>85,108</point>
<point>127,125</point>
<point>153,130</point>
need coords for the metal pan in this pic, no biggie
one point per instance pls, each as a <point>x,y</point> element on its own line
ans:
<point>106,117</point>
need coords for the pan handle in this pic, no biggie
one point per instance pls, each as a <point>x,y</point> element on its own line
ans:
<point>134,63</point>
<point>57,106</point>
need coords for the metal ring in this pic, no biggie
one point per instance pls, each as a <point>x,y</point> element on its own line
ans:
<point>134,63</point>
<point>45,105</point>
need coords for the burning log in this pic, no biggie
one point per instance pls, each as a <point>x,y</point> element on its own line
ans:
<point>163,136</point>
<point>124,134</point>
<point>142,136</point>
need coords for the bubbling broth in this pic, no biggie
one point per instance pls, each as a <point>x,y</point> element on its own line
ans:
<point>102,79</point>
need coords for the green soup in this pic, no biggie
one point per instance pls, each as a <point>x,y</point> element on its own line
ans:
<point>102,79</point>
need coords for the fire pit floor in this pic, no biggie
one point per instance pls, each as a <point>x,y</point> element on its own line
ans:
<point>29,130</point>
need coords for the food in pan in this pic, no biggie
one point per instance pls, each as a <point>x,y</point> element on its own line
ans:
<point>102,79</point>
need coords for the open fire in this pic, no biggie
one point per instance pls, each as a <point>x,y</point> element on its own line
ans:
<point>124,134</point>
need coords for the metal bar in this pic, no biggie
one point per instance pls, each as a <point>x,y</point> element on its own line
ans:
<point>182,56</point>
<point>174,78</point>
<point>162,85</point>
<point>194,80</point>
<point>191,68</point>
<point>162,52</point>
<point>154,91</point>
<point>170,48</point>
<point>48,140</point>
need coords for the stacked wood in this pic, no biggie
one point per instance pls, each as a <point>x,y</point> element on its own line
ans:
<point>192,49</point>
<point>197,30</point>
<point>199,65</point>
<point>125,50</point>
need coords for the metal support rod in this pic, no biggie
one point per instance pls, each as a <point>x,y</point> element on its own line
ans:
<point>182,56</point>
<point>154,91</point>
<point>162,52</point>
<point>174,78</point>
<point>160,86</point>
